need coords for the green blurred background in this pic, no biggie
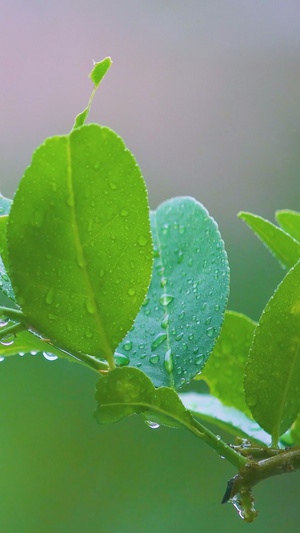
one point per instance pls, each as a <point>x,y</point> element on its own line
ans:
<point>206,95</point>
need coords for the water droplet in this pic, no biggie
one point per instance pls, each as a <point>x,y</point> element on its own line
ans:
<point>152,425</point>
<point>112,185</point>
<point>101,273</point>
<point>145,302</point>
<point>3,323</point>
<point>154,359</point>
<point>123,213</point>
<point>50,356</point>
<point>8,340</point>
<point>127,346</point>
<point>33,352</point>
<point>207,321</point>
<point>165,322</point>
<point>1,358</point>
<point>191,336</point>
<point>142,240</point>
<point>89,305</point>
<point>88,334</point>
<point>50,296</point>
<point>169,361</point>
<point>190,262</point>
<point>181,316</point>
<point>203,306</point>
<point>210,332</point>
<point>218,437</point>
<point>70,201</point>
<point>180,257</point>
<point>179,371</point>
<point>181,229</point>
<point>163,282</point>
<point>164,229</point>
<point>131,291</point>
<point>155,252</point>
<point>199,360</point>
<point>121,360</point>
<point>217,307</point>
<point>179,337</point>
<point>161,337</point>
<point>165,299</point>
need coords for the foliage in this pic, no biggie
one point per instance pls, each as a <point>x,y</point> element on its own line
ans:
<point>140,298</point>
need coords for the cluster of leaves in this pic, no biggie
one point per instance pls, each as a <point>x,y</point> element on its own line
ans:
<point>140,297</point>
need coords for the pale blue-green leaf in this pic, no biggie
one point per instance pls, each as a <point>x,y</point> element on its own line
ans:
<point>210,409</point>
<point>281,244</point>
<point>273,368</point>
<point>181,317</point>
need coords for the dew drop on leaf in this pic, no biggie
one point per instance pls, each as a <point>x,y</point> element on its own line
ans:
<point>89,306</point>
<point>154,359</point>
<point>199,360</point>
<point>165,322</point>
<point>165,299</point>
<point>1,359</point>
<point>161,337</point>
<point>169,361</point>
<point>3,323</point>
<point>121,360</point>
<point>142,240</point>
<point>50,356</point>
<point>8,341</point>
<point>123,213</point>
<point>127,346</point>
<point>152,425</point>
<point>180,257</point>
<point>131,292</point>
<point>112,185</point>
<point>50,296</point>
<point>210,332</point>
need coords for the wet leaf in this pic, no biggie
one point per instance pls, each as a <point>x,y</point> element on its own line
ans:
<point>97,74</point>
<point>283,246</point>
<point>210,409</point>
<point>79,241</point>
<point>181,317</point>
<point>273,368</point>
<point>290,222</point>
<point>126,391</point>
<point>225,369</point>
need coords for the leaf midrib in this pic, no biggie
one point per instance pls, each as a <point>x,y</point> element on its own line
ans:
<point>80,254</point>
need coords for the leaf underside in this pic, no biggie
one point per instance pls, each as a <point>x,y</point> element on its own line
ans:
<point>182,314</point>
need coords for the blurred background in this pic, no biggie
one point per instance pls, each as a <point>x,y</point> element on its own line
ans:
<point>206,96</point>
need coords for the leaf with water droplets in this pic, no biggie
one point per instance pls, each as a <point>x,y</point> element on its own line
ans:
<point>290,222</point>
<point>180,320</point>
<point>97,74</point>
<point>5,284</point>
<point>225,369</point>
<point>281,244</point>
<point>72,281</point>
<point>209,409</point>
<point>5,205</point>
<point>273,369</point>
<point>126,391</point>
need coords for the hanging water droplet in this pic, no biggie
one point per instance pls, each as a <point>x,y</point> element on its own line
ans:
<point>50,296</point>
<point>8,340</point>
<point>33,352</point>
<point>154,359</point>
<point>165,299</point>
<point>169,361</point>
<point>210,332</point>
<point>165,322</point>
<point>131,291</point>
<point>121,360</point>
<point>1,358</point>
<point>142,240</point>
<point>50,356</point>
<point>152,425</point>
<point>127,346</point>
<point>161,337</point>
<point>3,323</point>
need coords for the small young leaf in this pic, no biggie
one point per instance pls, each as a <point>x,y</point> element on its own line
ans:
<point>273,368</point>
<point>96,76</point>
<point>79,241</point>
<point>290,222</point>
<point>283,246</point>
<point>225,369</point>
<point>126,391</point>
<point>181,317</point>
<point>210,409</point>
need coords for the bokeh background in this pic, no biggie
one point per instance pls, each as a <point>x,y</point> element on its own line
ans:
<point>206,95</point>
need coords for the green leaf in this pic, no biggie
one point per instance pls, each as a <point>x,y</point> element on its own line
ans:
<point>273,368</point>
<point>210,409</point>
<point>283,246</point>
<point>290,222</point>
<point>96,76</point>
<point>79,241</point>
<point>225,369</point>
<point>126,391</point>
<point>5,283</point>
<point>182,314</point>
